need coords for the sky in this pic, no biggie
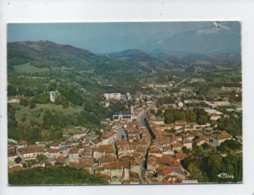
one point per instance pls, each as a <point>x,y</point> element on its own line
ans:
<point>99,37</point>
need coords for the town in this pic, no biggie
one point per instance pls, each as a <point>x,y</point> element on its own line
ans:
<point>146,144</point>
<point>131,103</point>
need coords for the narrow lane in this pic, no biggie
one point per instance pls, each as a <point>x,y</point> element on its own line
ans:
<point>143,121</point>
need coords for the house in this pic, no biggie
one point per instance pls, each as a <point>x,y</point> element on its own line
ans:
<point>136,165</point>
<point>53,95</point>
<point>178,172</point>
<point>217,103</point>
<point>12,157</point>
<point>106,159</point>
<point>86,152</point>
<point>109,96</point>
<point>187,143</point>
<point>125,150</point>
<point>74,155</point>
<point>159,121</point>
<point>177,147</point>
<point>103,150</point>
<point>152,164</point>
<point>30,153</point>
<point>13,100</point>
<point>180,157</point>
<point>61,160</point>
<point>155,151</point>
<point>76,135</point>
<point>167,150</point>
<point>108,138</point>
<point>21,143</point>
<point>202,140</point>
<point>53,153</point>
<point>87,164</point>
<point>122,116</point>
<point>114,169</point>
<point>128,96</point>
<point>219,138</point>
<point>55,146</point>
<point>214,114</point>
<point>40,164</point>
<point>163,172</point>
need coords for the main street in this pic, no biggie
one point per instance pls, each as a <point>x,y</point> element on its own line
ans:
<point>143,122</point>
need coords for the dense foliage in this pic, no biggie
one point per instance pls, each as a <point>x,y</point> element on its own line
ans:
<point>233,125</point>
<point>53,176</point>
<point>195,115</point>
<point>205,165</point>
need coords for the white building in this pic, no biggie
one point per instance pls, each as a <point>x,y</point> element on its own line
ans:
<point>109,96</point>
<point>53,94</point>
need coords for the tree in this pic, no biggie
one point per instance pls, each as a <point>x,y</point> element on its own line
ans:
<point>194,167</point>
<point>186,150</point>
<point>52,176</point>
<point>192,116</point>
<point>214,164</point>
<point>12,90</point>
<point>159,113</point>
<point>41,157</point>
<point>24,102</point>
<point>32,105</point>
<point>18,160</point>
<point>205,146</point>
<point>152,111</point>
<point>202,119</point>
<point>169,118</point>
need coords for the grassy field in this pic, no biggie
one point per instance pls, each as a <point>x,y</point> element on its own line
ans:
<point>37,112</point>
<point>215,91</point>
<point>23,68</point>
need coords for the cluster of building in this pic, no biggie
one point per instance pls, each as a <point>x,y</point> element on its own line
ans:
<point>121,161</point>
<point>117,96</point>
<point>130,153</point>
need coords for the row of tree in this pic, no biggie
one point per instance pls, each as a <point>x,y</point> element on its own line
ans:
<point>196,115</point>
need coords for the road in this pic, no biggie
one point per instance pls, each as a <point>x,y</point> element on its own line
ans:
<point>143,122</point>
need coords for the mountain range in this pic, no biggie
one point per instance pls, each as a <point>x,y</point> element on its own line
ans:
<point>219,38</point>
<point>47,54</point>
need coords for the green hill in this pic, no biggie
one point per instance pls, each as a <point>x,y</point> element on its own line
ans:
<point>53,176</point>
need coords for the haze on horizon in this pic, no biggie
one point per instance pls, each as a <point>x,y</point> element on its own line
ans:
<point>111,37</point>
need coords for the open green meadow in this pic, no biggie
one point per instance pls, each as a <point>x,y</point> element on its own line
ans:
<point>24,68</point>
<point>37,112</point>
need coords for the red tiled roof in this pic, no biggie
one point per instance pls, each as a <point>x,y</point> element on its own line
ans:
<point>164,160</point>
<point>21,142</point>
<point>223,136</point>
<point>31,149</point>
<point>105,159</point>
<point>155,150</point>
<point>167,171</point>
<point>121,142</point>
<point>74,150</point>
<point>181,122</point>
<point>52,150</point>
<point>175,145</point>
<point>78,132</point>
<point>181,156</point>
<point>174,163</point>
<point>102,175</point>
<point>114,165</point>
<point>104,148</point>
<point>61,159</point>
